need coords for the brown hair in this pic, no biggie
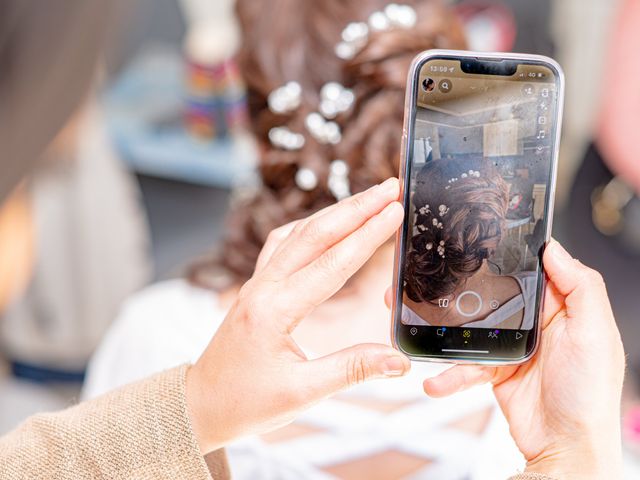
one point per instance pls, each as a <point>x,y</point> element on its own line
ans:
<point>285,40</point>
<point>465,217</point>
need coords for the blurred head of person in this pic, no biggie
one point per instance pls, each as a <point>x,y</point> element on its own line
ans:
<point>48,56</point>
<point>460,208</point>
<point>289,40</point>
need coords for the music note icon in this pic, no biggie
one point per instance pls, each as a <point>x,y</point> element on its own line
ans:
<point>542,135</point>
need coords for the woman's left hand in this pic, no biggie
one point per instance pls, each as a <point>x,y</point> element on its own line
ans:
<point>563,405</point>
<point>253,378</point>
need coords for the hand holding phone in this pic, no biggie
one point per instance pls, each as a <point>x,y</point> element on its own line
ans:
<point>563,407</point>
<point>302,264</point>
<point>478,175</point>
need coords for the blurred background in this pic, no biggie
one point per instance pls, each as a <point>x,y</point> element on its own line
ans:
<point>137,184</point>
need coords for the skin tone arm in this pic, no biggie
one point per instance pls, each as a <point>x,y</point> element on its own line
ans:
<point>563,407</point>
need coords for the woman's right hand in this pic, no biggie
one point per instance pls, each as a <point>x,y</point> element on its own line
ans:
<point>253,378</point>
<point>563,406</point>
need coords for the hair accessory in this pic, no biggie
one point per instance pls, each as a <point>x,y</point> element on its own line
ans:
<point>443,210</point>
<point>355,35</point>
<point>354,38</point>
<point>323,131</point>
<point>306,179</point>
<point>424,210</point>
<point>285,99</point>
<point>335,99</point>
<point>441,248</point>
<point>338,181</point>
<point>429,246</point>
<point>284,138</point>
<point>470,173</point>
<point>422,228</point>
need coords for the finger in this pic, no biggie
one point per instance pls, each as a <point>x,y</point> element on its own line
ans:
<point>463,377</point>
<point>282,235</point>
<point>354,365</point>
<point>311,239</point>
<point>583,288</point>
<point>319,280</point>
<point>553,304</point>
<point>274,239</point>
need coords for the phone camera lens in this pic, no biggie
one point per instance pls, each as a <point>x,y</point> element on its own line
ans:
<point>428,84</point>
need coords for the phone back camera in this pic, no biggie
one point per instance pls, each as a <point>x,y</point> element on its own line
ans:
<point>428,84</point>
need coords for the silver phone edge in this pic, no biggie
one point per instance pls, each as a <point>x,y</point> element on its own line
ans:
<point>409,106</point>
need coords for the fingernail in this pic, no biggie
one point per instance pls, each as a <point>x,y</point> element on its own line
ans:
<point>394,367</point>
<point>559,252</point>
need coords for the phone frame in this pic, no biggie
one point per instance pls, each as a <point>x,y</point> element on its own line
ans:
<point>407,136</point>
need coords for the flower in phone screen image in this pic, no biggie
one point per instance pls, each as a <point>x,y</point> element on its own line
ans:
<point>459,221</point>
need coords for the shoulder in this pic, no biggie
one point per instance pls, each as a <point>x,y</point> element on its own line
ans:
<point>164,325</point>
<point>528,282</point>
<point>172,310</point>
<point>169,297</point>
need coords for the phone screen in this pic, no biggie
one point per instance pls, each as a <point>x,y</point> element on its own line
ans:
<point>480,163</point>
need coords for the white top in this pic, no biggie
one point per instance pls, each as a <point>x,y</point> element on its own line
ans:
<point>525,301</point>
<point>171,323</point>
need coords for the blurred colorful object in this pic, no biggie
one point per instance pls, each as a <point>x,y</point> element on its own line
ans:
<point>215,93</point>
<point>490,26</point>
<point>145,114</point>
<point>216,99</point>
<point>631,430</point>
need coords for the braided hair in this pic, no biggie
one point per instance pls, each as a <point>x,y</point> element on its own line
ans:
<point>291,40</point>
<point>460,207</point>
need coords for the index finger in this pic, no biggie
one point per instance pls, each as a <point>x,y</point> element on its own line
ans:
<point>309,240</point>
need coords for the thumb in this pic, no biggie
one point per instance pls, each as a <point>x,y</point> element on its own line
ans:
<point>354,365</point>
<point>463,377</point>
<point>583,288</point>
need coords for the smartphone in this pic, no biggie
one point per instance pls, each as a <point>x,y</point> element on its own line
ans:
<point>478,175</point>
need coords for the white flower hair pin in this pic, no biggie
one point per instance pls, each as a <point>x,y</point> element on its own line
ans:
<point>284,138</point>
<point>334,100</point>
<point>424,210</point>
<point>469,174</point>
<point>338,181</point>
<point>356,34</point>
<point>440,248</point>
<point>285,99</point>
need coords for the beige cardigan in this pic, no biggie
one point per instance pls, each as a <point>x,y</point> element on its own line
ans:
<point>140,431</point>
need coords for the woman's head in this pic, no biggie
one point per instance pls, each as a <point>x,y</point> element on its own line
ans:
<point>460,207</point>
<point>290,40</point>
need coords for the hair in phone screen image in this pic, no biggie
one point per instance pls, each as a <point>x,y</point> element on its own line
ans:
<point>453,265</point>
<point>460,212</point>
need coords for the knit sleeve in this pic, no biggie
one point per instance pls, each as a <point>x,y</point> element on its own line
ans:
<point>531,476</point>
<point>140,431</point>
